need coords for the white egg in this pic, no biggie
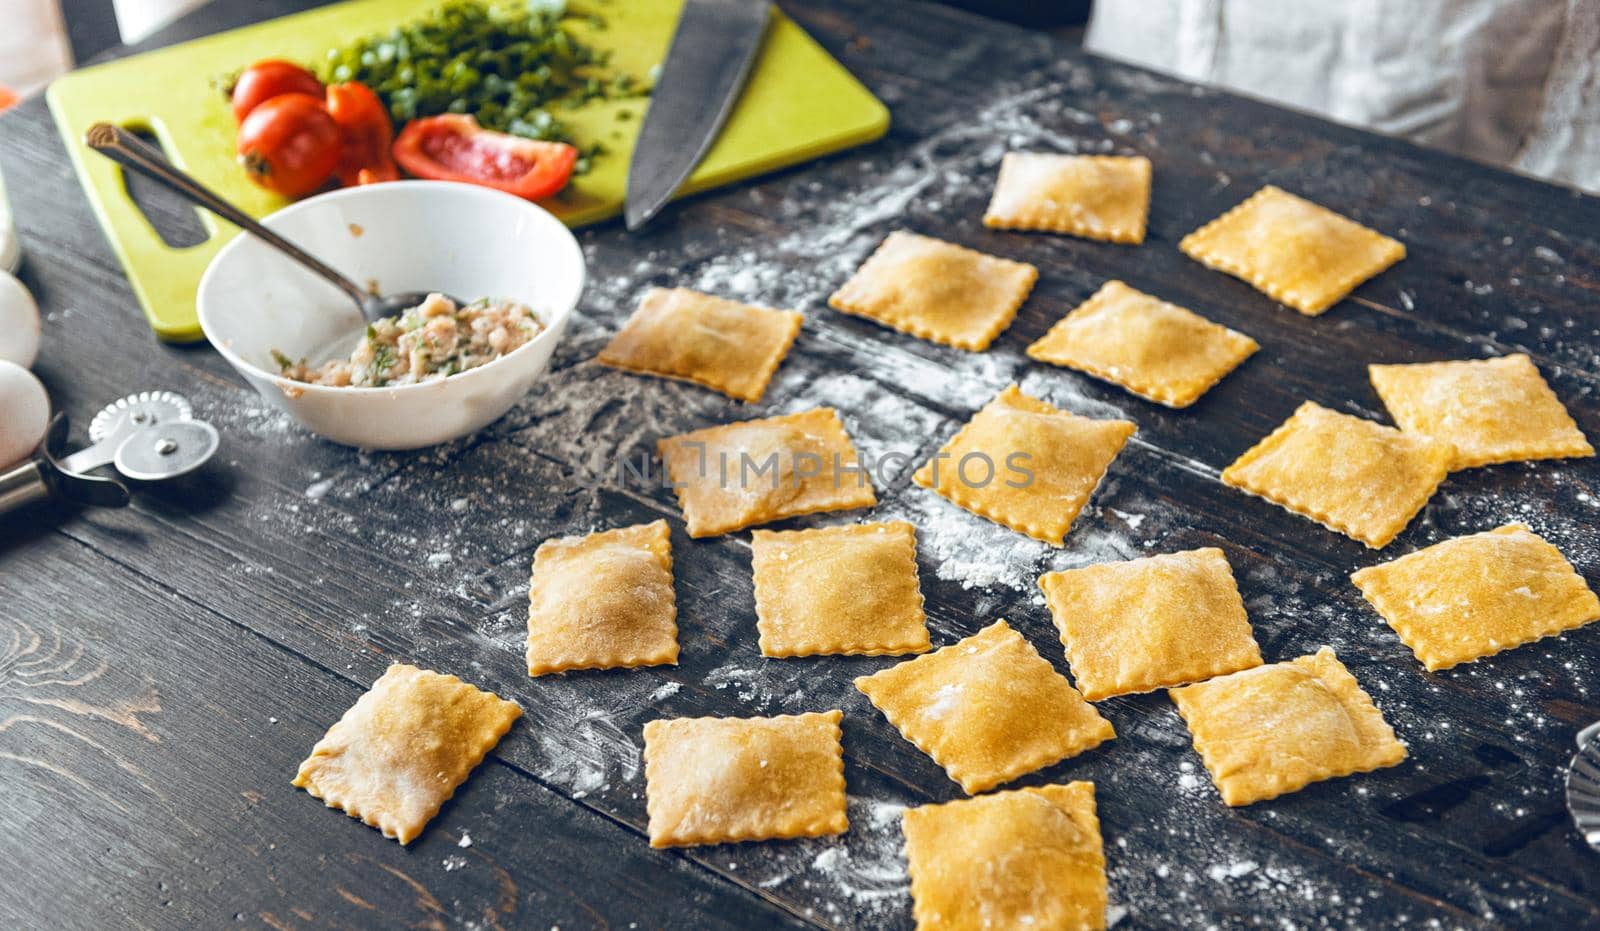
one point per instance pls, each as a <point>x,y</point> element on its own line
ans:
<point>10,245</point>
<point>24,413</point>
<point>19,322</point>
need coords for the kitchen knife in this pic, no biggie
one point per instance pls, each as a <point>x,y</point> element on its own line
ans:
<point>705,69</point>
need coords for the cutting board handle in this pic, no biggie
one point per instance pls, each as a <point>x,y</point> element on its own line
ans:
<point>174,240</point>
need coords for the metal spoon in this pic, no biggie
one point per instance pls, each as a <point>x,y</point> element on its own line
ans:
<point>130,151</point>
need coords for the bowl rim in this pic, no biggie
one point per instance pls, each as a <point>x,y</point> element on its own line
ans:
<point>295,389</point>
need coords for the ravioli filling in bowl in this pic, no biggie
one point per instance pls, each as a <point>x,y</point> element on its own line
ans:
<point>432,340</point>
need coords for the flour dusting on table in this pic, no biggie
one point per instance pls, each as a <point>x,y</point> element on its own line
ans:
<point>865,867</point>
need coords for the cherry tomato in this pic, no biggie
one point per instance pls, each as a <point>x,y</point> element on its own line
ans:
<point>267,79</point>
<point>367,132</point>
<point>290,144</point>
<point>454,147</point>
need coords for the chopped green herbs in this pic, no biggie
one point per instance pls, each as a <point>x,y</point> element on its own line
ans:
<point>508,64</point>
<point>383,359</point>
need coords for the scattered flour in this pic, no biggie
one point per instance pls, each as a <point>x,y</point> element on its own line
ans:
<point>889,431</point>
<point>964,548</point>
<point>1132,520</point>
<point>589,739</point>
<point>766,686</point>
<point>1220,872</point>
<point>1066,390</point>
<point>864,870</point>
<point>666,691</point>
<point>946,699</point>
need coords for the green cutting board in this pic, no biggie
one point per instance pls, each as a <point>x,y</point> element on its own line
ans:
<point>799,104</point>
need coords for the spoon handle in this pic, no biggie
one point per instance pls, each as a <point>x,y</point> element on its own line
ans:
<point>130,151</point>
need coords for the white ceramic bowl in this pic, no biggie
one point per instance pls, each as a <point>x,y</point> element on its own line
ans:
<point>460,239</point>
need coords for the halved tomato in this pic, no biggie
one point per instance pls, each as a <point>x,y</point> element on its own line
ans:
<point>453,147</point>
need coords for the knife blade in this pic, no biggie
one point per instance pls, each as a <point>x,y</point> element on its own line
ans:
<point>710,56</point>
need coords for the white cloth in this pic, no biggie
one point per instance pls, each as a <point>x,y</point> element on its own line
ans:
<point>33,44</point>
<point>138,18</point>
<point>1511,82</point>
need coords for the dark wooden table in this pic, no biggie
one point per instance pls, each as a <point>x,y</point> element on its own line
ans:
<point>164,668</point>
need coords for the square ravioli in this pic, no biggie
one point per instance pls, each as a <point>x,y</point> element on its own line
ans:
<point>1154,349</point>
<point>404,747</point>
<point>1360,478</point>
<point>724,345</point>
<point>603,601</point>
<point>1026,858</point>
<point>1151,623</point>
<point>1490,410</point>
<point>758,471</point>
<point>721,780</point>
<point>1298,253</point>
<point>1025,464</point>
<point>988,708</point>
<point>1104,197</point>
<point>1474,596</point>
<point>1276,729</point>
<point>850,589</point>
<point>937,290</point>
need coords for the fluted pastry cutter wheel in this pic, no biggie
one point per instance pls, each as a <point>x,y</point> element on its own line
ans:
<point>1583,785</point>
<point>148,436</point>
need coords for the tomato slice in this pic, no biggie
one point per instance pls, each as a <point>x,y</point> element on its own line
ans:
<point>368,135</point>
<point>453,147</point>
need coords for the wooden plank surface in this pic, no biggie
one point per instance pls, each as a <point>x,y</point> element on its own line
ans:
<point>281,580</point>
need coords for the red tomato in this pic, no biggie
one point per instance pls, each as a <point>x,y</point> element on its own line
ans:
<point>290,144</point>
<point>367,132</point>
<point>267,79</point>
<point>454,147</point>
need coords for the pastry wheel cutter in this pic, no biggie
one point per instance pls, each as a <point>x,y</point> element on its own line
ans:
<point>1583,785</point>
<point>147,437</point>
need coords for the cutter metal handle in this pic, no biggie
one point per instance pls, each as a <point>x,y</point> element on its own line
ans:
<point>43,479</point>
